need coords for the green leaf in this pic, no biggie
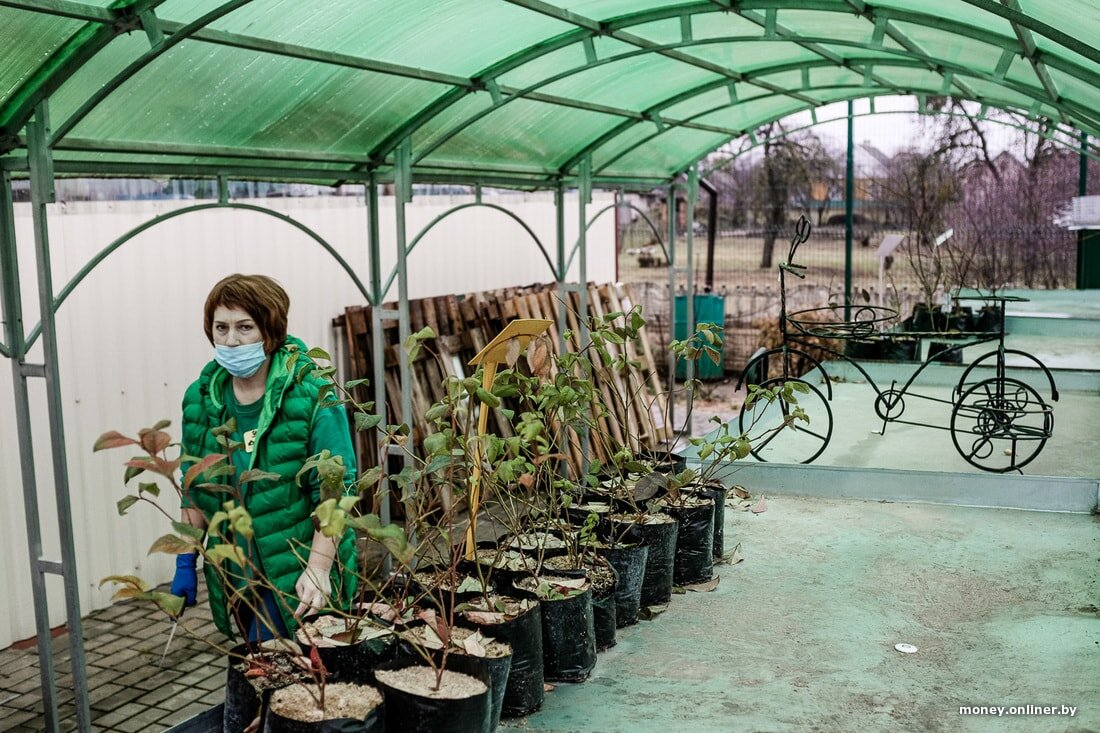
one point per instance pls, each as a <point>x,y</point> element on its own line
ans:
<point>131,471</point>
<point>170,604</point>
<point>255,474</point>
<point>225,551</point>
<point>369,478</point>
<point>149,488</point>
<point>355,383</point>
<point>318,353</point>
<point>187,530</point>
<point>125,503</point>
<point>741,447</point>
<point>487,397</point>
<point>800,386</point>
<point>436,443</point>
<point>365,421</point>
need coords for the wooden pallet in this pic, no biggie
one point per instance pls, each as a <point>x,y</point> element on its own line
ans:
<point>629,405</point>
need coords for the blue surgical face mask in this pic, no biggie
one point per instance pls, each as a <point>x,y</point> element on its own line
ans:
<point>241,361</point>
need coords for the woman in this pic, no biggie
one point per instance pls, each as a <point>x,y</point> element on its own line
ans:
<point>278,426</point>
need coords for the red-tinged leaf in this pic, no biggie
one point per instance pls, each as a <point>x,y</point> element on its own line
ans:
<point>154,441</point>
<point>199,468</point>
<point>739,492</point>
<point>761,506</point>
<point>315,660</point>
<point>112,439</point>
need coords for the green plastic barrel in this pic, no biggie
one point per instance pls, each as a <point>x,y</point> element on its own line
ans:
<point>709,308</point>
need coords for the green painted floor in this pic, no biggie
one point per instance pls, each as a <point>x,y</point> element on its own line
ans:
<point>800,636</point>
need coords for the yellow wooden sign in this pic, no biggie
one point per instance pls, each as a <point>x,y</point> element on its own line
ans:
<point>519,332</point>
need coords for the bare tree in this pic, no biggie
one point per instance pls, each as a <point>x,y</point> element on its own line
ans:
<point>783,179</point>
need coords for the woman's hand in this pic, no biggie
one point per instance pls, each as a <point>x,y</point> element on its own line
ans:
<point>313,589</point>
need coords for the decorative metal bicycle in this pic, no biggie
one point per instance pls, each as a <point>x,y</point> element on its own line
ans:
<point>998,423</point>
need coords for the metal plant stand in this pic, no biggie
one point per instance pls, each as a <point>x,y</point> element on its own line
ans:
<point>997,423</point>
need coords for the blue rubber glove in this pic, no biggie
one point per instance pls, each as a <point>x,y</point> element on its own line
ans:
<point>186,581</point>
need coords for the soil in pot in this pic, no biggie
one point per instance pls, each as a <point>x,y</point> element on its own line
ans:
<point>658,533</point>
<point>694,562</point>
<point>469,651</point>
<point>604,580</point>
<point>348,709</point>
<point>519,623</point>
<point>349,649</point>
<point>629,563</point>
<point>505,566</point>
<point>250,675</point>
<point>439,588</point>
<point>460,704</point>
<point>568,629</point>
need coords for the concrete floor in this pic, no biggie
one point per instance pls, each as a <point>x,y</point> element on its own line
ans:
<point>1001,604</point>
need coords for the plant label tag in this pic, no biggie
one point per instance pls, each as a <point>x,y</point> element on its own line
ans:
<point>249,439</point>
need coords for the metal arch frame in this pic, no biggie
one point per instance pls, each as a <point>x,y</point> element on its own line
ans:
<point>618,205</point>
<point>859,92</point>
<point>755,77</point>
<point>1075,143</point>
<point>454,210</point>
<point>586,29</point>
<point>863,91</point>
<point>123,239</point>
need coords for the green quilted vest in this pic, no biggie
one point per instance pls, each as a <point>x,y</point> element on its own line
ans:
<point>281,510</point>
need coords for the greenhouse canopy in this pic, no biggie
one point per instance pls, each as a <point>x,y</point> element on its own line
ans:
<point>530,91</point>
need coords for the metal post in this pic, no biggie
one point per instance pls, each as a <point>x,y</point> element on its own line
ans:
<point>13,336</point>
<point>692,197</point>
<point>559,207</point>
<point>584,196</point>
<point>849,196</point>
<point>42,188</point>
<point>402,190</point>
<point>378,345</point>
<point>1082,190</point>
<point>670,200</point>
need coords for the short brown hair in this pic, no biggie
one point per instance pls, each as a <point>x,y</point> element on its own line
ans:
<point>257,295</point>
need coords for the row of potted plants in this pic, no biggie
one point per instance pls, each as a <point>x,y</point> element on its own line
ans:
<point>463,632</point>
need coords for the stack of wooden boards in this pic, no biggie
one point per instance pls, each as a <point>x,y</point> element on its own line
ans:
<point>633,401</point>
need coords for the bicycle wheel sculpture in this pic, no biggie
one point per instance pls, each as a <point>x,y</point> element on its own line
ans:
<point>789,438</point>
<point>1000,424</point>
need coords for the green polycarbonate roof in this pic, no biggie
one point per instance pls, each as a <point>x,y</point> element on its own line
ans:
<point>520,89</point>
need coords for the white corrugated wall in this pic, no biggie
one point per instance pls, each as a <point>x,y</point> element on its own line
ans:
<point>130,340</point>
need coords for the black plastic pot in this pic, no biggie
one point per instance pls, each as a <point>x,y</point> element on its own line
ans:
<point>945,353</point>
<point>629,562</point>
<point>864,349</point>
<point>242,702</point>
<point>694,557</point>
<point>354,663</point>
<point>716,492</point>
<point>900,349</point>
<point>497,668</point>
<point>660,560</point>
<point>568,638</point>
<point>988,319</point>
<point>524,692</point>
<point>411,713</point>
<point>375,722</point>
<point>603,621</point>
<point>501,579</point>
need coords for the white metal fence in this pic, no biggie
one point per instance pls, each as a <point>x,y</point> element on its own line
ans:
<point>130,338</point>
